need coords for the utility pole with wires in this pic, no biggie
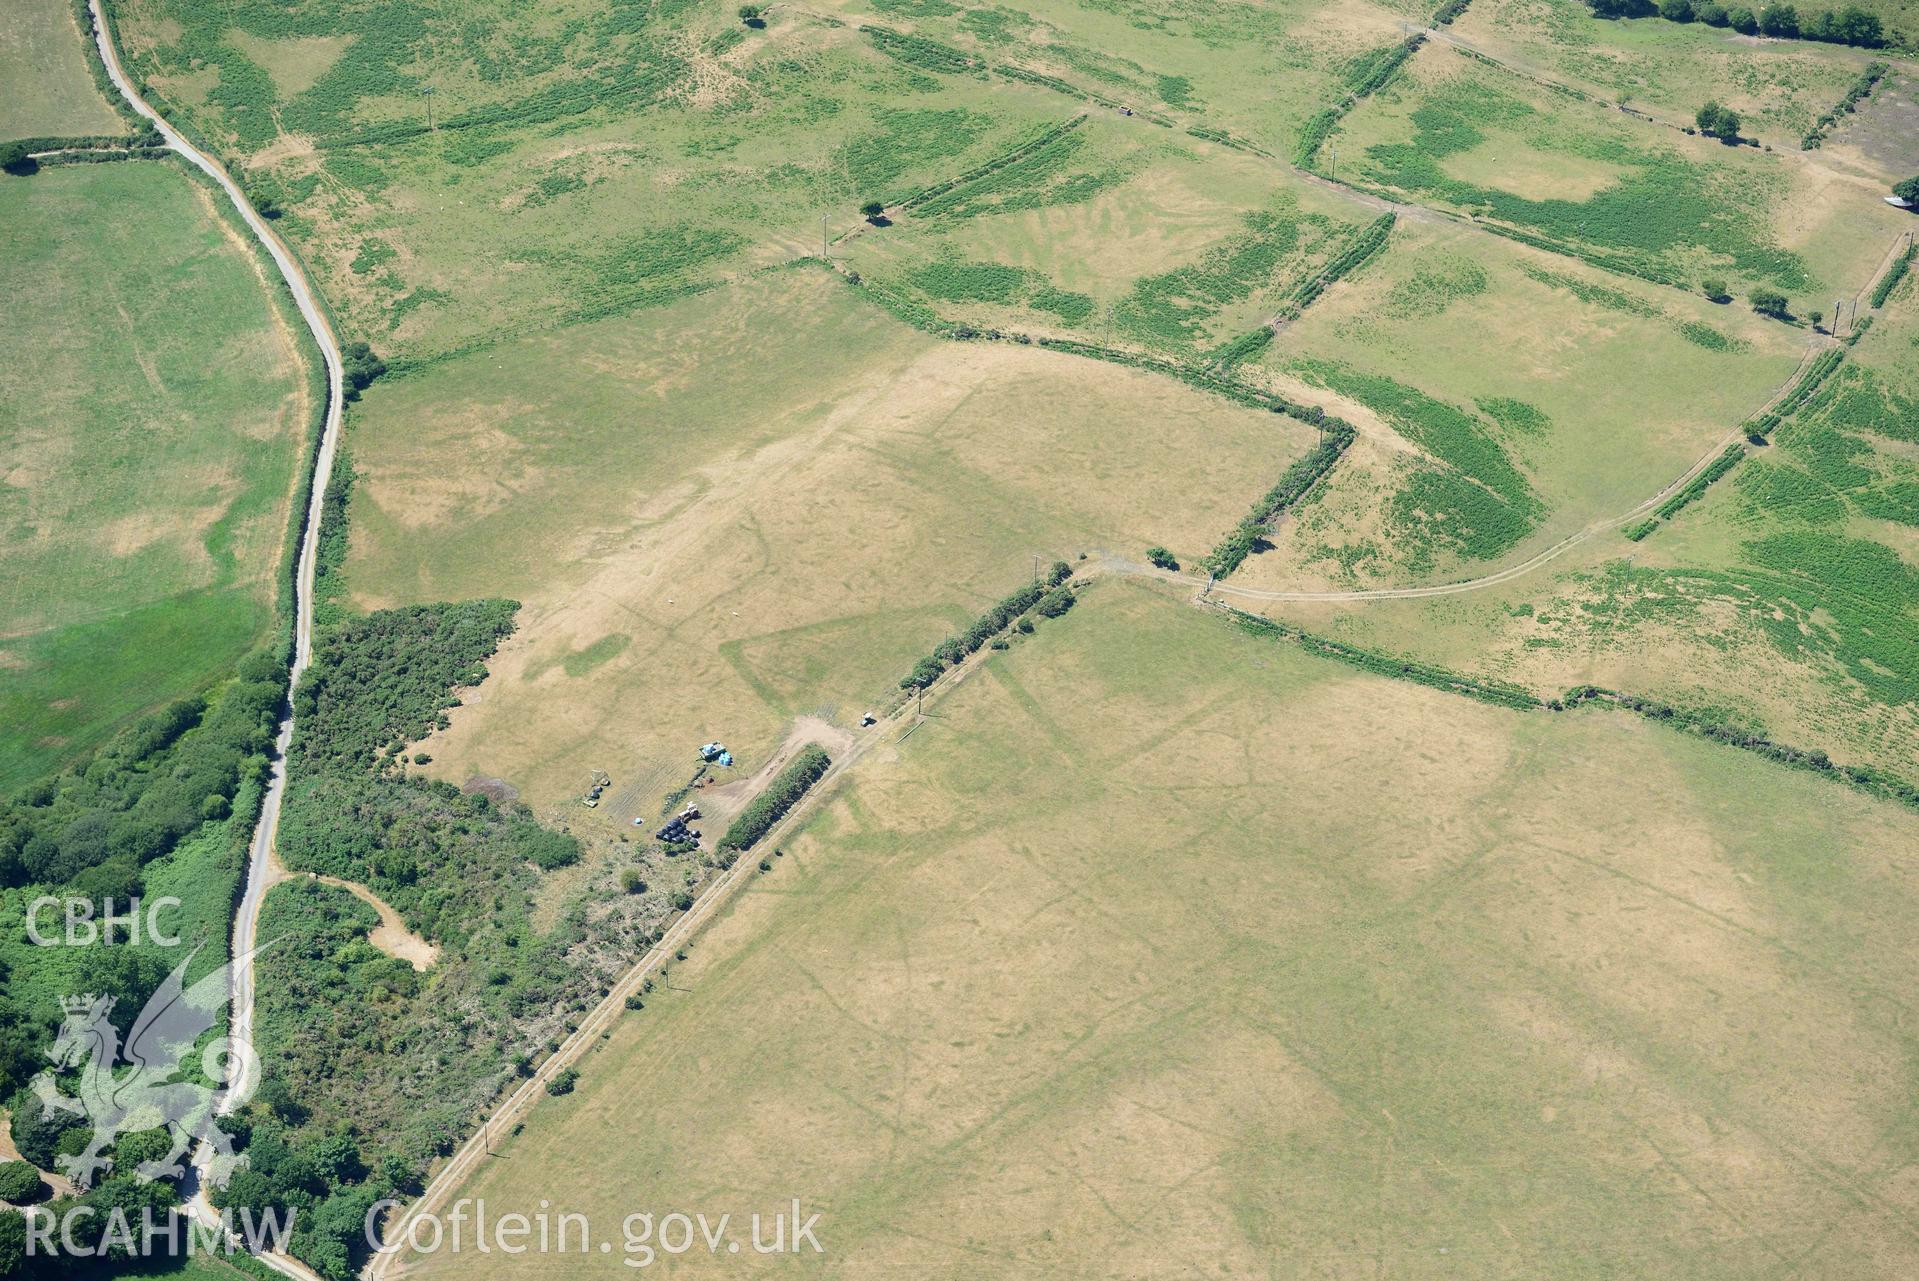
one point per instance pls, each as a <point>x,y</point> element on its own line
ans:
<point>825,251</point>
<point>427,93</point>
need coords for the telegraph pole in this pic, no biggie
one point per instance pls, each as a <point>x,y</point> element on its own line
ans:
<point>824,252</point>
<point>427,93</point>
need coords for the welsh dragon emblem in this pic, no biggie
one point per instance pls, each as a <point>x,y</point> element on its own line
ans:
<point>144,1083</point>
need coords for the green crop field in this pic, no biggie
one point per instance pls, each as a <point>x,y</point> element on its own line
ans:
<point>152,437</point>
<point>1165,939</point>
<point>50,92</point>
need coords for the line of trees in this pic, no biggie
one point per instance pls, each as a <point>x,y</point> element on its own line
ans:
<point>781,795</point>
<point>1850,25</point>
<point>954,649</point>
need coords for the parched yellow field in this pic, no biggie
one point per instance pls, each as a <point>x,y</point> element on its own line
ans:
<point>712,540</point>
<point>1166,945</point>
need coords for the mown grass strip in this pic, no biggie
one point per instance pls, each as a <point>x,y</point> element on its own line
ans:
<point>781,795</point>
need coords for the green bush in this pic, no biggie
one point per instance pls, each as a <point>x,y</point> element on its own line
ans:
<point>1770,302</point>
<point>16,159</point>
<point>20,1183</point>
<point>563,1082</point>
<point>781,795</point>
<point>1162,558</point>
<point>1716,121</point>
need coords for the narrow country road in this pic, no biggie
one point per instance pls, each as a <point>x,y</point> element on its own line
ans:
<point>247,920</point>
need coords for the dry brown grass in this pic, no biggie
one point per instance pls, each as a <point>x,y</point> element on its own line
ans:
<point>1166,948</point>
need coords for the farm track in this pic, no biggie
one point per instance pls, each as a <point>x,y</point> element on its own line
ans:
<point>725,887</point>
<point>260,852</point>
<point>599,1021</point>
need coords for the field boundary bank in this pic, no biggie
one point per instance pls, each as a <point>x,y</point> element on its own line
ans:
<point>1872,782</point>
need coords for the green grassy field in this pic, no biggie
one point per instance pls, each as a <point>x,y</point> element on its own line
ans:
<point>50,92</point>
<point>1638,197</point>
<point>152,436</point>
<point>1166,943</point>
<point>1778,87</point>
<point>1785,598</point>
<point>1479,372</point>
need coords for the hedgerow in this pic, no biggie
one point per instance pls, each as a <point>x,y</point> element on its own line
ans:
<point>1894,274</point>
<point>1306,472</point>
<point>1518,698</point>
<point>1857,93</point>
<point>923,54</point>
<point>1364,246</point>
<point>1033,177</point>
<point>1761,425</point>
<point>1172,309</point>
<point>770,806</point>
<point>1365,75</point>
<point>954,649</point>
<point>1697,486</point>
<point>1498,693</point>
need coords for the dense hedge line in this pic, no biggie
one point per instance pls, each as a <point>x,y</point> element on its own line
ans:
<point>1861,87</point>
<point>1498,693</point>
<point>997,163</point>
<point>954,649</point>
<point>1850,25</point>
<point>1877,782</point>
<point>781,795</point>
<point>1518,698</point>
<point>921,53</point>
<point>1762,425</point>
<point>1299,478</point>
<point>1360,250</point>
<point>1697,486</point>
<point>1894,274</point>
<point>1372,75</point>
